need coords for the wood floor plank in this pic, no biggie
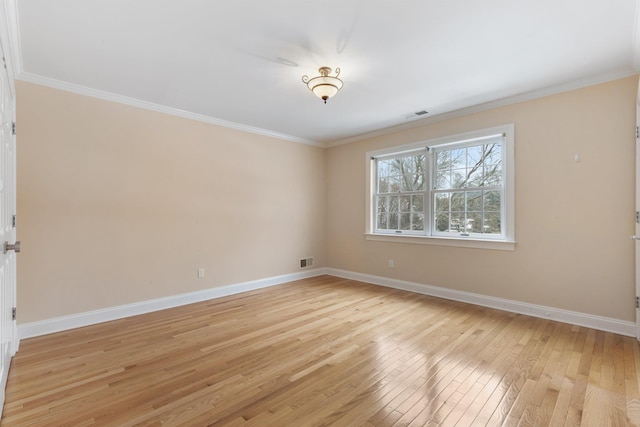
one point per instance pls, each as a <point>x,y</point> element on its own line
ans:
<point>326,351</point>
<point>632,389</point>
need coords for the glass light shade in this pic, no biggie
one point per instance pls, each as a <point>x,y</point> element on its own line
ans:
<point>325,90</point>
<point>324,86</point>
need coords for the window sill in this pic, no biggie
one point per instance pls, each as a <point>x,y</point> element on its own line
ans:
<point>499,245</point>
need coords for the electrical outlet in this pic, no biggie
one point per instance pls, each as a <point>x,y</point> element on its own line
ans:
<point>200,273</point>
<point>391,264</point>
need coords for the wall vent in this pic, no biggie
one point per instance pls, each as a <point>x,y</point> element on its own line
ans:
<point>306,262</point>
<point>415,114</point>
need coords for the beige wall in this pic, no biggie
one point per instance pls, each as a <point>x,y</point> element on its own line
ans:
<point>118,204</point>
<point>573,220</point>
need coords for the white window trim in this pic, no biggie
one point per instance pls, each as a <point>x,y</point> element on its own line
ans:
<point>508,243</point>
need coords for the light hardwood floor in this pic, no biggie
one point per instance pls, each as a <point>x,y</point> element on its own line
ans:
<point>326,351</point>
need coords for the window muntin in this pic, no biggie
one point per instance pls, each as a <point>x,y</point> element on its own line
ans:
<point>458,187</point>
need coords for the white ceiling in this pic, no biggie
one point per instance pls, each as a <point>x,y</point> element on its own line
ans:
<point>240,62</point>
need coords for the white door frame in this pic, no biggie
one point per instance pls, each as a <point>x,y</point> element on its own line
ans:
<point>9,339</point>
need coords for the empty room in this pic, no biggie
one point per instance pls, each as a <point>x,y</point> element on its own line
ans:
<point>292,213</point>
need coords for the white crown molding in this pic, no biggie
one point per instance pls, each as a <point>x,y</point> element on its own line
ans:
<point>527,96</point>
<point>63,323</point>
<point>572,317</point>
<point>108,96</point>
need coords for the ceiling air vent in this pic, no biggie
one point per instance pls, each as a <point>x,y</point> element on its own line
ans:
<point>416,114</point>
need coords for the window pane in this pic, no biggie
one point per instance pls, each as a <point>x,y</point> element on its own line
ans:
<point>493,154</point>
<point>457,222</point>
<point>474,222</point>
<point>442,202</point>
<point>417,221</point>
<point>474,156</point>
<point>492,222</point>
<point>402,174</point>
<point>383,204</point>
<point>393,221</point>
<point>442,222</point>
<point>443,179</point>
<point>457,201</point>
<point>492,201</point>
<point>417,203</point>
<point>404,165</point>
<point>395,167</point>
<point>443,160</point>
<point>419,183</point>
<point>382,210</point>
<point>475,176</point>
<point>392,203</point>
<point>405,221</point>
<point>458,178</point>
<point>407,182</point>
<point>394,183</point>
<point>458,159</point>
<point>469,167</point>
<point>405,203</point>
<point>493,164</point>
<point>383,168</point>
<point>383,221</point>
<point>383,185</point>
<point>474,201</point>
<point>493,175</point>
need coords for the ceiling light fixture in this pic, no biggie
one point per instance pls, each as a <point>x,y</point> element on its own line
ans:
<point>324,85</point>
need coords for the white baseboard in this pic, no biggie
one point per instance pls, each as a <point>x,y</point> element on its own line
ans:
<point>63,323</point>
<point>572,317</point>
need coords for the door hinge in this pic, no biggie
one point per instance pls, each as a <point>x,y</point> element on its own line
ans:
<point>13,221</point>
<point>637,131</point>
<point>638,217</point>
<point>13,128</point>
<point>637,302</point>
<point>14,313</point>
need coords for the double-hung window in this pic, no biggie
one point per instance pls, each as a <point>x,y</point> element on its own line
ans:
<point>400,194</point>
<point>456,190</point>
